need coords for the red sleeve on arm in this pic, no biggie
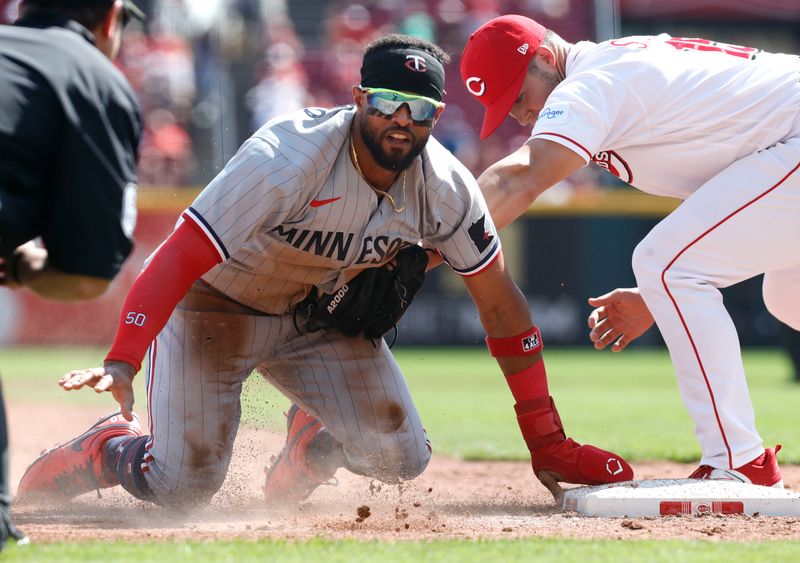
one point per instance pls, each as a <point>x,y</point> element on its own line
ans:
<point>185,256</point>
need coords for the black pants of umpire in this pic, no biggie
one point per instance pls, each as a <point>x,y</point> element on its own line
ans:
<point>7,529</point>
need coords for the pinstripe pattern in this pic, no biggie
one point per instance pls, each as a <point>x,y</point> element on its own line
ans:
<point>276,245</point>
<point>259,211</point>
<point>208,349</point>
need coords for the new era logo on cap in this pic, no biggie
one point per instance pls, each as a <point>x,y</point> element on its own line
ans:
<point>491,67</point>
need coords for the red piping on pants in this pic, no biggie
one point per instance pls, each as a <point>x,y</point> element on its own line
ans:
<point>683,321</point>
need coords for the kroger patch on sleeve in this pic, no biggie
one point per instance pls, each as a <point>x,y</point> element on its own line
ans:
<point>554,113</point>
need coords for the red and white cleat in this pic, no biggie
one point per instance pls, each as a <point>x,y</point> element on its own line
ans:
<point>762,471</point>
<point>76,467</point>
<point>290,478</point>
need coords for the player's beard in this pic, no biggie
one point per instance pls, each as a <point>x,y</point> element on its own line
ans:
<point>393,160</point>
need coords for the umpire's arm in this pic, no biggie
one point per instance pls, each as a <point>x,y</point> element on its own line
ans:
<point>502,309</point>
<point>29,266</point>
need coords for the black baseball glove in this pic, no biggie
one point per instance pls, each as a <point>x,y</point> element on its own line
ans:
<point>371,303</point>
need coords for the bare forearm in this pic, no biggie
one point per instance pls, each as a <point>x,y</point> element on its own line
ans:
<point>30,267</point>
<point>510,318</point>
<point>60,286</point>
<point>506,195</point>
<point>512,184</point>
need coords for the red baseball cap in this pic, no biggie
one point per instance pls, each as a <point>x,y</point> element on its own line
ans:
<point>495,62</point>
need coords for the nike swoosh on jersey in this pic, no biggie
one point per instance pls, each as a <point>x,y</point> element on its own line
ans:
<point>321,202</point>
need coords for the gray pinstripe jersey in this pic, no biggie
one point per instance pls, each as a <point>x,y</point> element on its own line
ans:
<point>289,211</point>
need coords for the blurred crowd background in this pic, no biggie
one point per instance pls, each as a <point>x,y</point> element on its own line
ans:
<point>210,72</point>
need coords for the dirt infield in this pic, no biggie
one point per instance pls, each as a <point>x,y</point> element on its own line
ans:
<point>453,499</point>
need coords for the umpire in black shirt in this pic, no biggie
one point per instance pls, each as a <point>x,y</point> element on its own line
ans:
<point>69,136</point>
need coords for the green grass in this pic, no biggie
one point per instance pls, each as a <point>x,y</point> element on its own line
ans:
<point>626,402</point>
<point>398,552</point>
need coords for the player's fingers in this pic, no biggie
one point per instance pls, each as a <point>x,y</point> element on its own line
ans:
<point>550,481</point>
<point>602,327</point>
<point>607,338</point>
<point>76,380</point>
<point>620,344</point>
<point>103,383</point>
<point>603,299</point>
<point>123,394</point>
<point>596,316</point>
<point>126,407</point>
<point>69,375</point>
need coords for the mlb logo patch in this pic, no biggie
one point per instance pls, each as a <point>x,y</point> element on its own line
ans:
<point>530,342</point>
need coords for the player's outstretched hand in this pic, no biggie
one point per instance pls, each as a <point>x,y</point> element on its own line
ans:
<point>116,377</point>
<point>619,318</point>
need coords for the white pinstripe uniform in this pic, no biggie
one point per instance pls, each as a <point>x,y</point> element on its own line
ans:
<point>290,212</point>
<point>719,127</point>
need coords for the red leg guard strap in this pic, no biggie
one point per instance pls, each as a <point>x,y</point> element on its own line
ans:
<point>539,422</point>
<point>523,344</point>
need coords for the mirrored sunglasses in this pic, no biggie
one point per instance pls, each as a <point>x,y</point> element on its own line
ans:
<point>386,101</point>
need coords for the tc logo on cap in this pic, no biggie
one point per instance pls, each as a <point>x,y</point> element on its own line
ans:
<point>481,86</point>
<point>416,63</point>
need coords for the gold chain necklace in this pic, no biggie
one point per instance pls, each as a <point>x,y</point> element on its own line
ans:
<point>374,189</point>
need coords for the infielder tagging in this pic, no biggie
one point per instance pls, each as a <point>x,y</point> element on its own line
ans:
<point>310,201</point>
<point>715,125</point>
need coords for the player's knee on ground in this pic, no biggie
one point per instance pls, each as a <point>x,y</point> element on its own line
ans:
<point>392,451</point>
<point>391,466</point>
<point>200,477</point>
<point>193,489</point>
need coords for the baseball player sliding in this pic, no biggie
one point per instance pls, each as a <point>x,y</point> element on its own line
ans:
<point>716,125</point>
<point>308,203</point>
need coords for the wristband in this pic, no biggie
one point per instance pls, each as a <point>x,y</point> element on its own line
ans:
<point>523,344</point>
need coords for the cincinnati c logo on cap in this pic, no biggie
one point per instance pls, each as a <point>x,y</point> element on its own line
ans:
<point>471,83</point>
<point>416,63</point>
